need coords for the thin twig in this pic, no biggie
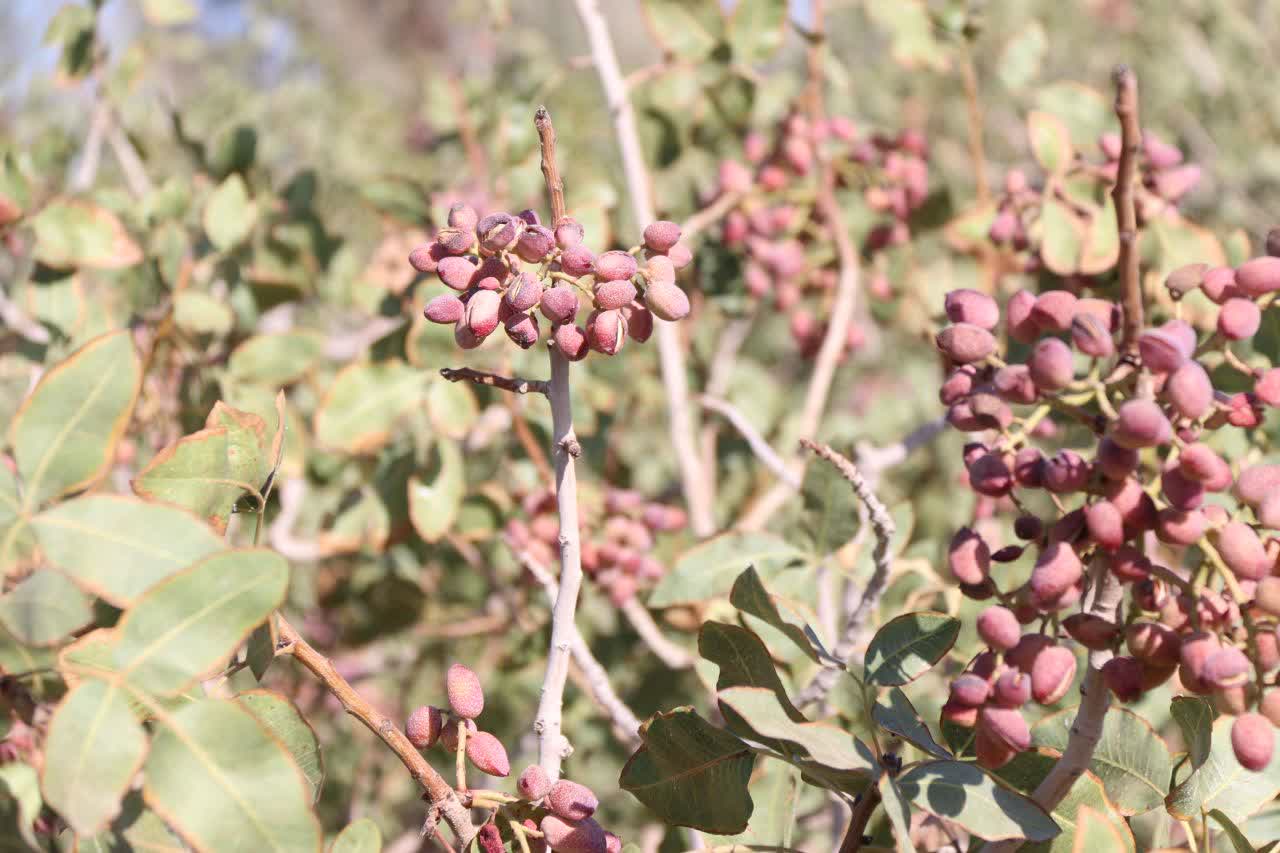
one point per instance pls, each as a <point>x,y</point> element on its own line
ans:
<point>642,622</point>
<point>766,454</point>
<point>438,792</point>
<point>553,746</point>
<point>874,461</point>
<point>624,719</point>
<point>86,170</point>
<point>1126,212</point>
<point>973,104</point>
<point>683,427</point>
<point>709,215</point>
<point>135,173</point>
<point>883,525</point>
<point>514,384</point>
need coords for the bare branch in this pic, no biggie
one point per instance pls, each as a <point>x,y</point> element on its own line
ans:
<point>514,384</point>
<point>624,719</point>
<point>553,746</point>
<point>671,359</point>
<point>1126,214</point>
<point>883,525</point>
<point>438,792</point>
<point>668,652</point>
<point>766,454</point>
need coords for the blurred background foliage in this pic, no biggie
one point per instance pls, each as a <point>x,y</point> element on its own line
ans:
<point>290,154</point>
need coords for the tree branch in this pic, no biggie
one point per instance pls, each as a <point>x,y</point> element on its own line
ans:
<point>514,384</point>
<point>624,719</point>
<point>438,792</point>
<point>553,746</point>
<point>683,428</point>
<point>642,622</point>
<point>883,525</point>
<point>766,454</point>
<point>1126,214</point>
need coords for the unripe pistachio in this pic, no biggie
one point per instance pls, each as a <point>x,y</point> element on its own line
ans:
<point>1253,741</point>
<point>488,754</point>
<point>661,235</point>
<point>973,307</point>
<point>1052,673</point>
<point>423,726</point>
<point>1240,319</point>
<point>1173,184</point>
<point>1190,390</point>
<point>571,801</point>
<point>466,697</point>
<point>1054,310</point>
<point>1141,423</point>
<point>1057,569</point>
<point>1199,462</point>
<point>563,836</point>
<point>535,244</point>
<point>965,343</point>
<point>445,308</point>
<point>1052,365</point>
<point>999,628</point>
<point>968,557</point>
<point>1259,276</point>
<point>666,300</point>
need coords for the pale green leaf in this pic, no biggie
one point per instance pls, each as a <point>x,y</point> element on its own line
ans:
<point>220,779</point>
<point>94,747</point>
<point>961,792</point>
<point>1023,54</point>
<point>64,435</point>
<point>686,28</point>
<point>116,547</point>
<point>193,621</point>
<point>76,233</point>
<point>1050,141</point>
<point>229,215</point>
<point>898,810</point>
<point>289,727</point>
<point>198,313</point>
<point>1062,237</point>
<point>276,360</point>
<point>1238,839</point>
<point>434,506</point>
<point>44,608</point>
<point>1131,760</point>
<point>708,569</point>
<point>20,785</point>
<point>365,402</point>
<point>1221,783</point>
<point>362,836</point>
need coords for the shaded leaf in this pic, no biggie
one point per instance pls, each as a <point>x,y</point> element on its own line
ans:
<point>898,810</point>
<point>116,547</point>
<point>1194,716</point>
<point>1050,141</point>
<point>750,596</point>
<point>289,727</point>
<point>961,792</point>
<point>276,360</point>
<point>1062,236</point>
<point>1238,839</point>
<point>709,569</point>
<point>44,608</point>
<point>744,661</point>
<point>1131,760</point>
<point>690,773</point>
<point>64,434</point>
<point>190,623</point>
<point>895,713</point>
<point>77,233</point>
<point>908,646</point>
<point>810,746</point>
<point>218,777</point>
<point>198,313</point>
<point>94,747</point>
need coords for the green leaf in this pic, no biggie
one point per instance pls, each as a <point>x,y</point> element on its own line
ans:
<point>44,608</point>
<point>283,720</point>
<point>1062,237</point>
<point>64,435</point>
<point>115,547</point>
<point>167,13</point>
<point>1131,760</point>
<point>452,408</point>
<point>1085,111</point>
<point>198,313</point>
<point>208,471</point>
<point>276,360</point>
<point>756,29</point>
<point>895,713</point>
<point>709,569</point>
<point>221,781</point>
<point>433,507</point>
<point>1095,832</point>
<point>1233,832</point>
<point>136,829</point>
<point>898,810</point>
<point>1101,247</point>
<point>362,836</point>
<point>961,792</point>
<point>75,233</point>
<point>1222,784</point>
<point>364,403</point>
<point>189,623</point>
<point>750,596</point>
<point>911,33</point>
<point>1050,141</point>
<point>1028,769</point>
<point>1194,717</point>
<point>94,747</point>
<point>811,746</point>
<point>229,215</point>
<point>20,784</point>
<point>907,647</point>
<point>690,773</point>
<point>686,28</point>
<point>1022,57</point>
